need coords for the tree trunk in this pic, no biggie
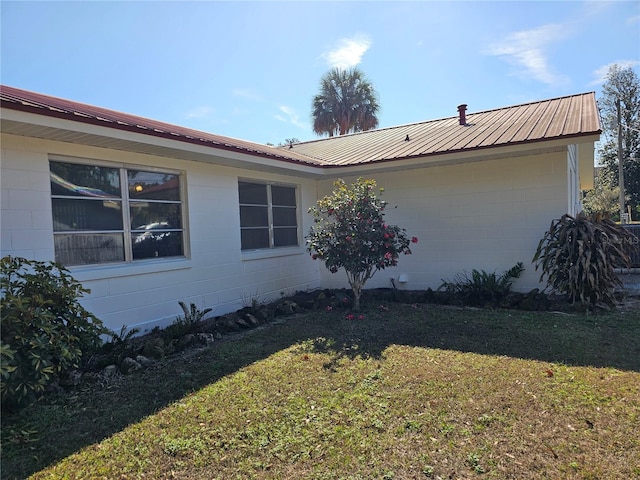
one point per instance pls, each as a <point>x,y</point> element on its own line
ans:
<point>357,292</point>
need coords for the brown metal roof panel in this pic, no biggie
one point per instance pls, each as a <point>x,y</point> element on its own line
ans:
<point>517,122</point>
<point>545,119</point>
<point>572,120</point>
<point>559,119</point>
<point>590,115</point>
<point>528,122</point>
<point>501,124</point>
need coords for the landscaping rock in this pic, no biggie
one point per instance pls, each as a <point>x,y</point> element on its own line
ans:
<point>71,378</point>
<point>263,314</point>
<point>205,338</point>
<point>109,371</point>
<point>228,323</point>
<point>144,361</point>
<point>251,319</point>
<point>154,348</point>
<point>186,341</point>
<point>241,322</point>
<point>287,307</point>
<point>128,365</point>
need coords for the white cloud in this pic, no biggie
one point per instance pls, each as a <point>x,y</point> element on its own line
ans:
<point>600,74</point>
<point>200,112</point>
<point>348,52</point>
<point>290,117</point>
<point>246,93</point>
<point>527,50</point>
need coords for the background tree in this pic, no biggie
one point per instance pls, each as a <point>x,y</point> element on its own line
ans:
<point>289,141</point>
<point>602,199</point>
<point>347,103</point>
<point>621,83</point>
<point>349,232</point>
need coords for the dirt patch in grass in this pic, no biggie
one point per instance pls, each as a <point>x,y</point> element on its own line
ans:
<point>409,391</point>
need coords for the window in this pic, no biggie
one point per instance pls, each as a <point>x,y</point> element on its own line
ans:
<point>96,220</point>
<point>268,215</point>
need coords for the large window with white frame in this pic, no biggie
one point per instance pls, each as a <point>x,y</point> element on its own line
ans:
<point>268,215</point>
<point>108,214</point>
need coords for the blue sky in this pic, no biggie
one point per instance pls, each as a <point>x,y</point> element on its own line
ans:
<point>250,69</point>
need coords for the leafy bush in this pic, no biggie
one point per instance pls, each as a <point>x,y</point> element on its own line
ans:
<point>579,257</point>
<point>45,330</point>
<point>349,232</point>
<point>482,288</point>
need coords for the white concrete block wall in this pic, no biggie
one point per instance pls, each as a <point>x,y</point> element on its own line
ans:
<point>145,294</point>
<point>25,210</point>
<point>487,215</point>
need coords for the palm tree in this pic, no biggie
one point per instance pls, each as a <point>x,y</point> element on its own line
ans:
<point>346,103</point>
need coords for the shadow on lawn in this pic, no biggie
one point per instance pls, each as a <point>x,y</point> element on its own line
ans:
<point>601,341</point>
<point>78,419</point>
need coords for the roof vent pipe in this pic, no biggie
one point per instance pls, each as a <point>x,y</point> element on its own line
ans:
<point>461,110</point>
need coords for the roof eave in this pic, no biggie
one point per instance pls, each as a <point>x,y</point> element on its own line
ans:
<point>142,130</point>
<point>46,127</point>
<point>471,155</point>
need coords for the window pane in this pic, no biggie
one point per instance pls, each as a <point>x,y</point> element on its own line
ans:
<point>80,214</point>
<point>153,186</point>
<point>88,248</point>
<point>254,217</point>
<point>284,216</point>
<point>285,236</point>
<point>84,180</point>
<point>154,216</point>
<point>252,193</point>
<point>283,196</point>
<point>156,244</point>
<point>254,238</point>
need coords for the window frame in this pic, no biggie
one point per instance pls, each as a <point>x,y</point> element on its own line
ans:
<point>125,202</point>
<point>270,217</point>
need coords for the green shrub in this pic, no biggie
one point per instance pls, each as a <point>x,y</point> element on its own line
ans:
<point>186,323</point>
<point>482,288</point>
<point>45,331</point>
<point>579,257</point>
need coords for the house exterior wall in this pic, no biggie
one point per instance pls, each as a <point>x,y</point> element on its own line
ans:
<point>216,274</point>
<point>486,215</point>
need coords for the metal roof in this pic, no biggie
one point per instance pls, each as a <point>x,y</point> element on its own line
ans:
<point>559,118</point>
<point>24,100</point>
<point>555,119</point>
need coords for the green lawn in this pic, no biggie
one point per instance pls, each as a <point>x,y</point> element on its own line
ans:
<point>419,391</point>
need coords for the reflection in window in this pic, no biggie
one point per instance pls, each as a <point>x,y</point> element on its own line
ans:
<point>96,221</point>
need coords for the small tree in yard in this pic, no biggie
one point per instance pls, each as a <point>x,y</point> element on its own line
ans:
<point>349,232</point>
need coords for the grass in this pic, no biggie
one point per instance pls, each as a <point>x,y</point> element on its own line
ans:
<point>419,391</point>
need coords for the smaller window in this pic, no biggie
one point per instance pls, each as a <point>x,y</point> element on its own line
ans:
<point>268,216</point>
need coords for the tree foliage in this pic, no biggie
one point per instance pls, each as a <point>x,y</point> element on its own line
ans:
<point>623,84</point>
<point>602,199</point>
<point>347,103</point>
<point>349,232</point>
